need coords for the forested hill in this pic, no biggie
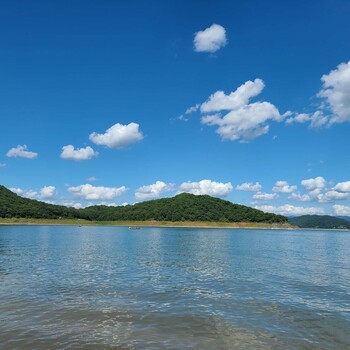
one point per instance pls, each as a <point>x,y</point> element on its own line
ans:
<point>14,206</point>
<point>183,207</point>
<point>320,221</point>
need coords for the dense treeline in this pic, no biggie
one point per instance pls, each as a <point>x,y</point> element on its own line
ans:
<point>14,206</point>
<point>320,221</point>
<point>183,207</point>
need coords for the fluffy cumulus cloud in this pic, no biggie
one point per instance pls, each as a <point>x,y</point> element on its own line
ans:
<point>211,188</point>
<point>248,186</point>
<point>21,151</point>
<point>68,152</point>
<point>44,193</point>
<point>335,100</point>
<point>90,192</point>
<point>309,197</point>
<point>341,210</point>
<point>333,195</point>
<point>314,183</point>
<point>153,190</point>
<point>283,187</point>
<point>342,186</point>
<point>210,39</point>
<point>118,136</point>
<point>265,196</point>
<point>317,191</point>
<point>242,120</point>
<point>219,101</point>
<point>290,210</point>
<point>336,93</point>
<point>48,192</point>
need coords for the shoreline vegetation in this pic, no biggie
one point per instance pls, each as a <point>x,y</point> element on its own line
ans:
<point>150,223</point>
<point>183,210</point>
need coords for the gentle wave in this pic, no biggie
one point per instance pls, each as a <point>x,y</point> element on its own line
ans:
<point>164,288</point>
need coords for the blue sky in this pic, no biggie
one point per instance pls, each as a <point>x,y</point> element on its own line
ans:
<point>121,101</point>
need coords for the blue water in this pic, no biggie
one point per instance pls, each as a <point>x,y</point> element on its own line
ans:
<point>173,288</point>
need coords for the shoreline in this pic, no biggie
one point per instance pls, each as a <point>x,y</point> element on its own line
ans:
<point>169,224</point>
<point>175,224</point>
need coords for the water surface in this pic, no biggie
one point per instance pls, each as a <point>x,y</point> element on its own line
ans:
<point>173,288</point>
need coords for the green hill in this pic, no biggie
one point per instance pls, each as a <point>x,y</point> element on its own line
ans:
<point>14,206</point>
<point>320,221</point>
<point>183,207</point>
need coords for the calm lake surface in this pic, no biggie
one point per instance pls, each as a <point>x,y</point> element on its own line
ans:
<point>173,288</point>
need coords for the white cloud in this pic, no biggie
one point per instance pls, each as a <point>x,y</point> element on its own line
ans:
<point>265,196</point>
<point>283,187</point>
<point>48,192</point>
<point>107,204</point>
<point>219,101</point>
<point>211,188</point>
<point>91,179</point>
<point>290,210</point>
<point>192,109</point>
<point>333,195</point>
<point>153,190</point>
<point>311,196</point>
<point>341,210</point>
<point>335,100</point>
<point>248,186</point>
<point>210,39</point>
<point>244,121</point>
<point>316,119</point>
<point>68,152</point>
<point>342,186</point>
<point>71,204</point>
<point>336,93</point>
<point>118,136</point>
<point>31,194</point>
<point>2,165</point>
<point>18,191</point>
<point>44,193</point>
<point>21,151</point>
<point>314,183</point>
<point>299,118</point>
<point>90,192</point>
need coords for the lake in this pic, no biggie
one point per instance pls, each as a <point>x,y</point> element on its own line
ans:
<point>69,287</point>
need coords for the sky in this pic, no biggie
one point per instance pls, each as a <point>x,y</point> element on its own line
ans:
<point>115,102</point>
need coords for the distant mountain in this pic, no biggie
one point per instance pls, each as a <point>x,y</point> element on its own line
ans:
<point>319,221</point>
<point>183,207</point>
<point>347,218</point>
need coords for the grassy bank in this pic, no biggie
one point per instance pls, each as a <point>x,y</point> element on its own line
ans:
<point>80,222</point>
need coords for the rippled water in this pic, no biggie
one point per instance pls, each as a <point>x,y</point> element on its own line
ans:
<point>165,288</point>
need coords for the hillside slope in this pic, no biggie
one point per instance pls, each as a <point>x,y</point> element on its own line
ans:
<point>14,206</point>
<point>183,207</point>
